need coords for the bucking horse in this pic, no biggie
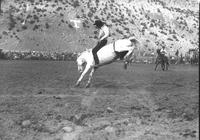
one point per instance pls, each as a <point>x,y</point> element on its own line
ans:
<point>120,49</point>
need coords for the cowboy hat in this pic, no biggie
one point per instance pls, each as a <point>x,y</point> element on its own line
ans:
<point>98,23</point>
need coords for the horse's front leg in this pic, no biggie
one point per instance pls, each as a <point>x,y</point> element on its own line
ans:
<point>156,65</point>
<point>90,77</point>
<point>82,75</point>
<point>167,65</point>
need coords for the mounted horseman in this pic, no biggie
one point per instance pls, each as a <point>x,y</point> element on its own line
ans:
<point>123,52</point>
<point>104,33</point>
<point>162,58</point>
<point>103,54</point>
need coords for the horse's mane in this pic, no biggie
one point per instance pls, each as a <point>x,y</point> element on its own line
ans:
<point>88,50</point>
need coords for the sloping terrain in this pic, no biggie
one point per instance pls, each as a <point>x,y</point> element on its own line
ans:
<point>66,25</point>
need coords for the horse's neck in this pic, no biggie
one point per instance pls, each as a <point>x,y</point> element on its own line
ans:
<point>86,56</point>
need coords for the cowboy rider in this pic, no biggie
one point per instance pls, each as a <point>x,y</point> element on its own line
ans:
<point>164,54</point>
<point>102,37</point>
<point>163,51</point>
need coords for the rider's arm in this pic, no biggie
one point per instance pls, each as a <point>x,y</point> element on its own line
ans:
<point>103,33</point>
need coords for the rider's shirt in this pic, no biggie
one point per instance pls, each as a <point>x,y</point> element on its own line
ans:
<point>103,33</point>
<point>163,51</point>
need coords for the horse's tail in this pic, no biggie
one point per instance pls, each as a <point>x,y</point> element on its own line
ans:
<point>134,40</point>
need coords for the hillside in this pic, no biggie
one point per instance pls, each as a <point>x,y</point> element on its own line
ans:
<point>66,25</point>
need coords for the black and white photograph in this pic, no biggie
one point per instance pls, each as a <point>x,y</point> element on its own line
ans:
<point>99,69</point>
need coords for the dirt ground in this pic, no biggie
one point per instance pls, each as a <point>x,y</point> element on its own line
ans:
<point>38,101</point>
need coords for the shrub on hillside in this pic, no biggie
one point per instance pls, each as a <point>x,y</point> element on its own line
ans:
<point>62,20</point>
<point>32,21</point>
<point>70,26</point>
<point>90,14</point>
<point>47,25</point>
<point>12,22</point>
<point>85,25</point>
<point>5,33</point>
<point>170,39</point>
<point>75,4</point>
<point>59,8</point>
<point>36,27</point>
<point>119,31</point>
<point>24,27</point>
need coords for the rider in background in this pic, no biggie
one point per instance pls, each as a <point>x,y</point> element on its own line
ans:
<point>163,51</point>
<point>102,38</point>
<point>164,54</point>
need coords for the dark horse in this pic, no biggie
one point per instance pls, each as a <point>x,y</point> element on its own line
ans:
<point>163,60</point>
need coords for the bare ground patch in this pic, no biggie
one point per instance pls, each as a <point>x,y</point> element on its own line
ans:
<point>145,105</point>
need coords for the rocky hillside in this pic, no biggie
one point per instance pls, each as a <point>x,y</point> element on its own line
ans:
<point>67,25</point>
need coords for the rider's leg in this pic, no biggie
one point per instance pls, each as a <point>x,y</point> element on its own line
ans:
<point>94,52</point>
<point>167,60</point>
<point>97,48</point>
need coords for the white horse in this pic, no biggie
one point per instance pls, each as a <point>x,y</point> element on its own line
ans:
<point>122,49</point>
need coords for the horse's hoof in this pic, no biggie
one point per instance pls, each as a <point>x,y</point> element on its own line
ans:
<point>87,86</point>
<point>77,84</point>
<point>125,66</point>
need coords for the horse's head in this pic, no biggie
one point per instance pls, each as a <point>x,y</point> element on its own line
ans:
<point>81,60</point>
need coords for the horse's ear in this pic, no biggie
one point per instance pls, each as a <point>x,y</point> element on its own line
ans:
<point>78,54</point>
<point>87,49</point>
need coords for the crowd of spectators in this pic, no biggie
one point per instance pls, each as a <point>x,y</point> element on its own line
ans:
<point>36,55</point>
<point>191,57</point>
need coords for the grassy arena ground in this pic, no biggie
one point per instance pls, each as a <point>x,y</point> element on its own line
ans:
<point>37,99</point>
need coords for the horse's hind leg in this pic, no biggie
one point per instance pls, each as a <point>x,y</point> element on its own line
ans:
<point>163,66</point>
<point>156,66</point>
<point>125,64</point>
<point>167,65</point>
